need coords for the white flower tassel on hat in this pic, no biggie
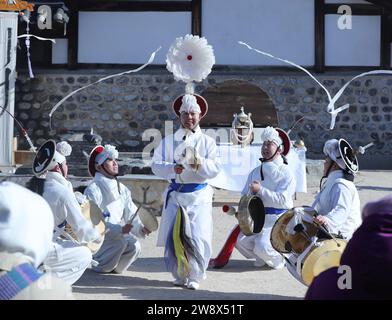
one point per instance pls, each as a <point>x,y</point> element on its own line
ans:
<point>190,59</point>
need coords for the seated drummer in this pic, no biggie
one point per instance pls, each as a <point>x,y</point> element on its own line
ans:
<point>66,259</point>
<point>337,203</point>
<point>121,246</point>
<point>274,183</point>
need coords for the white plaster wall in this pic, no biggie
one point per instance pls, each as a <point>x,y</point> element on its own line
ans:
<point>359,46</point>
<point>282,27</point>
<point>60,51</point>
<point>129,37</point>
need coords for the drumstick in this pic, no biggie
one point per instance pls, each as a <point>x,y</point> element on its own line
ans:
<point>326,231</point>
<point>134,216</point>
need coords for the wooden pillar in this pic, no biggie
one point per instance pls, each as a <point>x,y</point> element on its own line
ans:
<point>73,34</point>
<point>319,32</point>
<point>196,17</point>
<point>385,47</point>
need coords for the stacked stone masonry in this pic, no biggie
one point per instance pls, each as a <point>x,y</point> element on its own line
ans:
<point>121,109</point>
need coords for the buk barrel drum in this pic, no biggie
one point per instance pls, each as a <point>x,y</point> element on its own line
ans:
<point>251,214</point>
<point>304,244</point>
<point>93,214</point>
<point>284,241</point>
<point>323,255</point>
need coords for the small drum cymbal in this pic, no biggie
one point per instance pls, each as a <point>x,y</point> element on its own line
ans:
<point>251,214</point>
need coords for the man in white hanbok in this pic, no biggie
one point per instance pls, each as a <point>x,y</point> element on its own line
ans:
<point>274,183</point>
<point>337,203</point>
<point>121,246</point>
<point>188,159</point>
<point>67,259</point>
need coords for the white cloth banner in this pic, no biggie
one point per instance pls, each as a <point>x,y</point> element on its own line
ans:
<point>238,162</point>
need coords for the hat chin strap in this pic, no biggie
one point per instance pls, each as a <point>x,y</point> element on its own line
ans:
<point>61,169</point>
<point>266,160</point>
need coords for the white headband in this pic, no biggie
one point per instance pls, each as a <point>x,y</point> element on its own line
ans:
<point>189,104</point>
<point>109,152</point>
<point>270,134</point>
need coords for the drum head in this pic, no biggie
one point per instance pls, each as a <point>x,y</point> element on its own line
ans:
<point>284,242</point>
<point>93,214</point>
<point>322,258</point>
<point>279,236</point>
<point>148,219</point>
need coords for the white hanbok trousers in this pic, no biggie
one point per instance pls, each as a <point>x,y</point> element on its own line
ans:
<point>259,246</point>
<point>68,260</point>
<point>117,254</point>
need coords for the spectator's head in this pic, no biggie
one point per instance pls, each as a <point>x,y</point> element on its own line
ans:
<point>26,223</point>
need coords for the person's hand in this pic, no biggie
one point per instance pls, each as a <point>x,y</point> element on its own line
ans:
<point>127,228</point>
<point>255,187</point>
<point>98,240</point>
<point>145,231</point>
<point>178,169</point>
<point>321,220</point>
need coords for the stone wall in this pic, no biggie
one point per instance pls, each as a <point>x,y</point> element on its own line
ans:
<point>121,109</point>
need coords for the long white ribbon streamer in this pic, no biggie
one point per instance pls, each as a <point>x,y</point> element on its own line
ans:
<point>332,100</point>
<point>27,41</point>
<point>100,80</point>
<point>34,36</point>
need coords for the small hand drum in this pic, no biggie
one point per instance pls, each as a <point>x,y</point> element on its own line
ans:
<point>93,214</point>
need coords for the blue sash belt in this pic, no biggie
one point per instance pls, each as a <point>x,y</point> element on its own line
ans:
<point>274,211</point>
<point>63,224</point>
<point>183,188</point>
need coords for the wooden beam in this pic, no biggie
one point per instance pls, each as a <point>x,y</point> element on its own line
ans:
<point>319,32</point>
<point>196,17</point>
<point>90,5</point>
<point>73,34</point>
<point>385,47</point>
<point>386,4</point>
<point>357,9</point>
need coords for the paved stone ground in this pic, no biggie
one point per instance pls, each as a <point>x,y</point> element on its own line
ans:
<point>239,280</point>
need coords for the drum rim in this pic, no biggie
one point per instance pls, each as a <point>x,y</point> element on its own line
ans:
<point>310,257</point>
<point>244,223</point>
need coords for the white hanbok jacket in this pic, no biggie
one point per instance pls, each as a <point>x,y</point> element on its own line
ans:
<point>59,194</point>
<point>118,208</point>
<point>168,153</point>
<point>278,186</point>
<point>339,202</point>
